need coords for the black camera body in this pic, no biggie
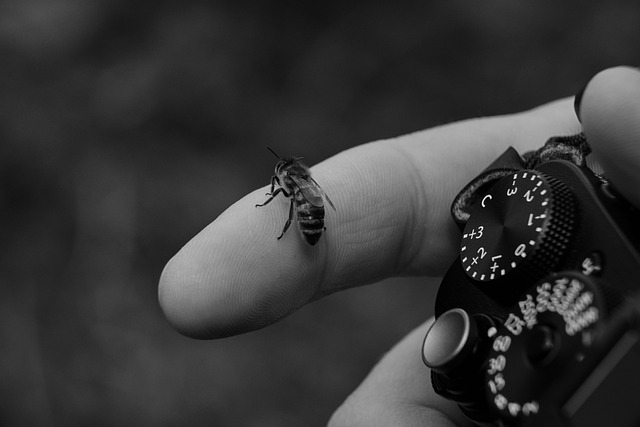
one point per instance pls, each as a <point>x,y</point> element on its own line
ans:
<point>538,319</point>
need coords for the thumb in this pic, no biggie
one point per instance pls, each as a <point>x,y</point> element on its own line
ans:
<point>610,115</point>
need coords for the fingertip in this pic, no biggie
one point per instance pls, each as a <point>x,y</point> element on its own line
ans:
<point>610,113</point>
<point>190,295</point>
<point>233,276</point>
<point>173,304</point>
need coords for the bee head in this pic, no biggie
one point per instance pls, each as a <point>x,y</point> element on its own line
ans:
<point>285,163</point>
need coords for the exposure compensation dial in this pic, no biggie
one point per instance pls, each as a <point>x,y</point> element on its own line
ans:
<point>523,224</point>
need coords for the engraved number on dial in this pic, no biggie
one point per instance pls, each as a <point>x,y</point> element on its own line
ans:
<point>505,228</point>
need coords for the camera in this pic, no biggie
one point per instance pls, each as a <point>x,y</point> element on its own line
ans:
<point>538,319</point>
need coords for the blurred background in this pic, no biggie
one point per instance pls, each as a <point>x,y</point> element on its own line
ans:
<point>127,126</point>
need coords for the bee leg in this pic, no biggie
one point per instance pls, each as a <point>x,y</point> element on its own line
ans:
<point>274,194</point>
<point>274,180</point>
<point>288,223</point>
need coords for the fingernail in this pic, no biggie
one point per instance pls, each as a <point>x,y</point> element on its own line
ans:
<point>577,100</point>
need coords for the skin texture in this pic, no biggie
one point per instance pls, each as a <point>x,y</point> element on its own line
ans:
<point>392,219</point>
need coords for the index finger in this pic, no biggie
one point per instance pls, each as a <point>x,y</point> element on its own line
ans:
<point>392,199</point>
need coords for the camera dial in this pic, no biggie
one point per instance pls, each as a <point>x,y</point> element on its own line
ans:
<point>547,333</point>
<point>524,223</point>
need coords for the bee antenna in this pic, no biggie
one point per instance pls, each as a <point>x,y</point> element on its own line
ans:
<point>274,153</point>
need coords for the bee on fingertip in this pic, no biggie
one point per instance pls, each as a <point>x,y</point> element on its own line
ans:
<point>294,181</point>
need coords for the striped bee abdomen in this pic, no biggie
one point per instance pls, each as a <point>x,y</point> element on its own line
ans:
<point>310,219</point>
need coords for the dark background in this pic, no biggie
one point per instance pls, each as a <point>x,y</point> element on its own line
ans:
<point>127,126</point>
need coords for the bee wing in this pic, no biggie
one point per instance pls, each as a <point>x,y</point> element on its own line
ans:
<point>309,189</point>
<point>323,193</point>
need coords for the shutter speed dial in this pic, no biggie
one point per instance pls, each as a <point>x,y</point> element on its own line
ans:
<point>524,223</point>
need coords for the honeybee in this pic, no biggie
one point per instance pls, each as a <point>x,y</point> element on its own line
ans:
<point>294,180</point>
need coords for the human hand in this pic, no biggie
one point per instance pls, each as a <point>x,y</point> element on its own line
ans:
<point>393,201</point>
